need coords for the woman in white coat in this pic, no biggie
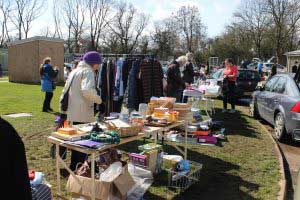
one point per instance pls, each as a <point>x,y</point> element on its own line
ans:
<point>82,96</point>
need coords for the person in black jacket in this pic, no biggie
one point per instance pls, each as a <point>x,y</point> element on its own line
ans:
<point>175,84</point>
<point>14,169</point>
<point>188,72</point>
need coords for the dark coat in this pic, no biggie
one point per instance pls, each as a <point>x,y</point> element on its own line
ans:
<point>14,169</point>
<point>174,80</point>
<point>188,73</point>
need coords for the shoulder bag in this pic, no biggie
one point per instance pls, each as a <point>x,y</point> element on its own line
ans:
<point>64,101</point>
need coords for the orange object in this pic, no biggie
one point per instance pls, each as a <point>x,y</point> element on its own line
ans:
<point>66,124</point>
<point>67,131</point>
<point>201,133</point>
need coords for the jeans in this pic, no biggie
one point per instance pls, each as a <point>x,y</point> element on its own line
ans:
<point>229,95</point>
<point>47,101</point>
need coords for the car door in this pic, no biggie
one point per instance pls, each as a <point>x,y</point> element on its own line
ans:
<point>241,82</point>
<point>253,78</point>
<point>263,95</point>
<point>274,97</point>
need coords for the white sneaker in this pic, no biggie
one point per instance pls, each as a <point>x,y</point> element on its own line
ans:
<point>232,111</point>
<point>224,110</point>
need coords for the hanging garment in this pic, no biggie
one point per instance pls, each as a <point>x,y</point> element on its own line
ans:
<point>127,64</point>
<point>106,82</point>
<point>119,87</point>
<point>133,100</point>
<point>151,76</point>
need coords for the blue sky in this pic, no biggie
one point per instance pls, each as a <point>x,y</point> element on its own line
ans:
<point>216,14</point>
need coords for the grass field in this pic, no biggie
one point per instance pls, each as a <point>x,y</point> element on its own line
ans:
<point>245,167</point>
<point>4,78</point>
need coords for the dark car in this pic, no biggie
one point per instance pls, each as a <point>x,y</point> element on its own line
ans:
<point>278,102</point>
<point>246,81</point>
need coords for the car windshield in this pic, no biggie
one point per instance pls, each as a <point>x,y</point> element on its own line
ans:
<point>217,74</point>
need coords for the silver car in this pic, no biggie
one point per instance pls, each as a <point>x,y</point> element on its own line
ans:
<point>278,102</point>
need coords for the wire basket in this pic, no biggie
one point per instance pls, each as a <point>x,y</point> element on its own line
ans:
<point>180,182</point>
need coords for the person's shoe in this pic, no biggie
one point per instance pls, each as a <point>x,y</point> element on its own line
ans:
<point>232,111</point>
<point>50,109</point>
<point>45,110</point>
<point>224,110</point>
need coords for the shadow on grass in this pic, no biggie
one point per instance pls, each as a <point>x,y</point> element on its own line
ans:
<point>215,181</point>
<point>236,124</point>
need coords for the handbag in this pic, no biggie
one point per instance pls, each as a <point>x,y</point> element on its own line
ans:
<point>53,85</point>
<point>83,169</point>
<point>64,101</point>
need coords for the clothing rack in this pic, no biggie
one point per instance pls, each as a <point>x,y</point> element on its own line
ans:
<point>126,55</point>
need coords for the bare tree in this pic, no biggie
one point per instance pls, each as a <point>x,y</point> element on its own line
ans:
<point>97,13</point>
<point>253,19</point>
<point>57,20</point>
<point>26,12</point>
<point>190,27</point>
<point>75,16</point>
<point>128,26</point>
<point>5,9</point>
<point>164,38</point>
<point>285,15</point>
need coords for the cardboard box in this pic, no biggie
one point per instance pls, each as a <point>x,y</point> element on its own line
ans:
<point>118,188</point>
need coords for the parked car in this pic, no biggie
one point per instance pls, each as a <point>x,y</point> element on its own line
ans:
<point>297,189</point>
<point>278,102</point>
<point>246,82</point>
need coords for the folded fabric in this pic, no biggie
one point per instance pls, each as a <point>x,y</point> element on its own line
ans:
<point>38,179</point>
<point>207,139</point>
<point>89,143</point>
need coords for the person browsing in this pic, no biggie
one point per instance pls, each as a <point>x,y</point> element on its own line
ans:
<point>230,74</point>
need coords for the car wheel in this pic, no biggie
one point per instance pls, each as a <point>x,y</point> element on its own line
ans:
<point>280,132</point>
<point>254,111</point>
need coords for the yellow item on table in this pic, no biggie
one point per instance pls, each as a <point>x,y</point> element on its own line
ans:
<point>67,131</point>
<point>160,112</point>
<point>172,116</point>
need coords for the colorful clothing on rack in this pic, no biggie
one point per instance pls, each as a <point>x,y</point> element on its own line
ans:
<point>119,87</point>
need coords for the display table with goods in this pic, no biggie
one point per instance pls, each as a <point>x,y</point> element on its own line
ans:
<point>203,91</point>
<point>94,140</point>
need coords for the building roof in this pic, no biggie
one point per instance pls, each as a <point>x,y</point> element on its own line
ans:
<point>293,53</point>
<point>35,39</point>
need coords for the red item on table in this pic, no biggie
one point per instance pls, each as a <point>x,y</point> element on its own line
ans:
<point>202,133</point>
<point>31,174</point>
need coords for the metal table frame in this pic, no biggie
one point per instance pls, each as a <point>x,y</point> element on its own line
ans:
<point>96,152</point>
<point>209,102</point>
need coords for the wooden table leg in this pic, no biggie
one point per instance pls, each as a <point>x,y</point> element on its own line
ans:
<point>185,135</point>
<point>57,169</point>
<point>93,177</point>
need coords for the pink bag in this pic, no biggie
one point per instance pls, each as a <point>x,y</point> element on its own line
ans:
<point>207,139</point>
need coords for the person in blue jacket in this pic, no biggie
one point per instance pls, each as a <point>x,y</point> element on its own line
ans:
<point>48,74</point>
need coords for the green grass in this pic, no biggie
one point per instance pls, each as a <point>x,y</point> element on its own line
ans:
<point>245,167</point>
<point>4,78</point>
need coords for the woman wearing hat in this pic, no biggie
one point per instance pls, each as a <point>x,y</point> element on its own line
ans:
<point>82,95</point>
